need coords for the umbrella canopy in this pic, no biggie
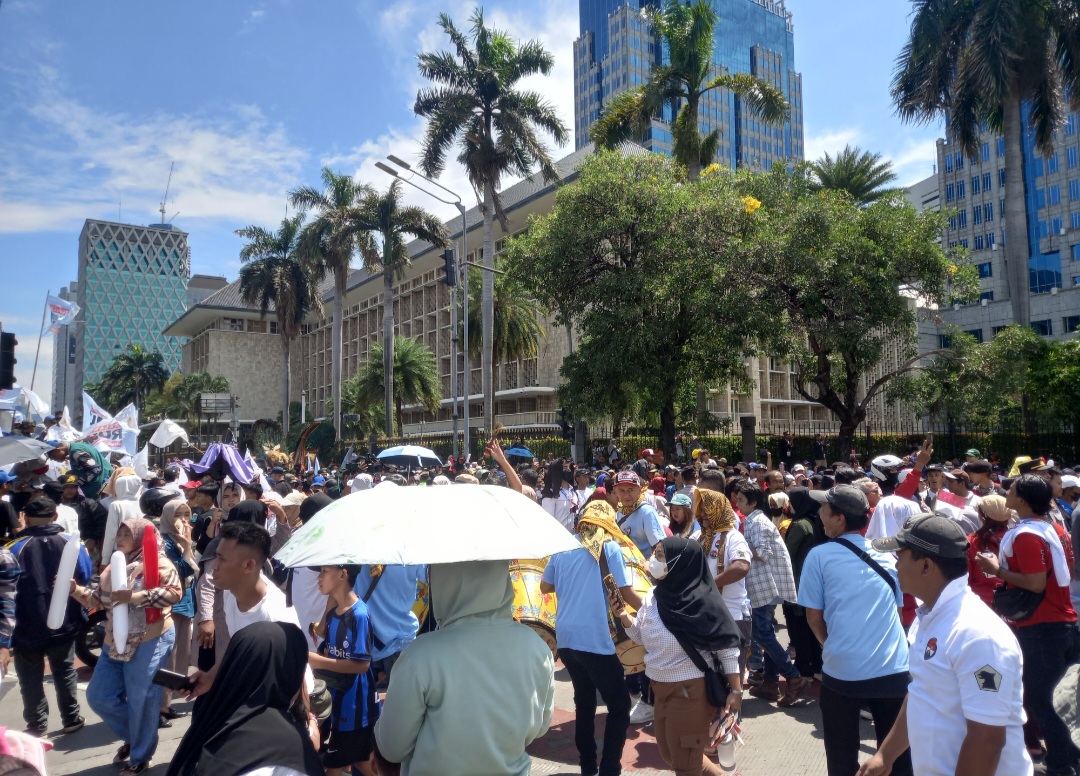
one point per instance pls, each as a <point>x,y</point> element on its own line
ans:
<point>427,525</point>
<point>409,455</point>
<point>521,452</point>
<point>16,449</point>
<point>221,460</point>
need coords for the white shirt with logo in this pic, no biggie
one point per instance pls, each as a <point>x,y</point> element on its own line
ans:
<point>734,593</point>
<point>965,664</point>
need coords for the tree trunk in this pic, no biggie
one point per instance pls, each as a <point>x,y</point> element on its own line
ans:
<point>286,347</point>
<point>846,439</point>
<point>400,415</point>
<point>1016,232</point>
<point>388,349</point>
<point>488,310</point>
<point>667,428</point>
<point>335,347</point>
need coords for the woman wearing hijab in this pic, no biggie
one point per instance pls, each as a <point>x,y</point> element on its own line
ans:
<point>121,691</point>
<point>249,723</point>
<point>803,534</point>
<point>126,488</point>
<point>728,558</point>
<point>175,528</point>
<point>684,608</point>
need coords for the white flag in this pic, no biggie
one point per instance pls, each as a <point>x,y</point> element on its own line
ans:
<point>167,433</point>
<point>112,436</point>
<point>129,415</point>
<point>61,313</point>
<point>92,413</point>
<point>141,462</point>
<point>36,407</point>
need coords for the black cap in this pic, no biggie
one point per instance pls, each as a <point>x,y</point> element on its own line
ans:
<point>40,507</point>
<point>935,467</point>
<point>846,498</point>
<point>930,535</point>
<point>1029,466</point>
<point>978,467</point>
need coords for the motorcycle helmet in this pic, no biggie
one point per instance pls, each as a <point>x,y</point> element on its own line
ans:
<point>885,466</point>
<point>154,500</point>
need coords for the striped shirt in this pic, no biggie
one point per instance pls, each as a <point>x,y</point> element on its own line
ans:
<point>348,637</point>
<point>665,659</point>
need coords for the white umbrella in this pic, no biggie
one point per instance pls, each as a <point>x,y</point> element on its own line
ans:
<point>427,525</point>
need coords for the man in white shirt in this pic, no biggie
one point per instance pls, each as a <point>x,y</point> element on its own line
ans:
<point>964,709</point>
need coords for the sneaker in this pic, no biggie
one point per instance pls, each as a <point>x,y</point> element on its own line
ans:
<point>74,726</point>
<point>770,691</point>
<point>793,688</point>
<point>641,714</point>
<point>754,678</point>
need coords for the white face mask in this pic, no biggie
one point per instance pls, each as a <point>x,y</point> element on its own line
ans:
<point>657,568</point>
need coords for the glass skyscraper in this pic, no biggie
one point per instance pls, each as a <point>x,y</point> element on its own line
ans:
<point>616,50</point>
<point>132,284</point>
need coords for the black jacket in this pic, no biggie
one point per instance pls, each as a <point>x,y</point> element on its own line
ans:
<point>38,550</point>
<point>92,517</point>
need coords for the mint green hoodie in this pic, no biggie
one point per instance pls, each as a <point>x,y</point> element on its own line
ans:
<point>467,699</point>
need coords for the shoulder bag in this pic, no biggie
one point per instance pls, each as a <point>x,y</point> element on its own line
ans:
<point>1016,603</point>
<point>716,686</point>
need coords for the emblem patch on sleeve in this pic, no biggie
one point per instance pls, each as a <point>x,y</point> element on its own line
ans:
<point>988,678</point>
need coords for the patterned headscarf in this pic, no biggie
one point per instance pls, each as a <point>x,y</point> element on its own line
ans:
<point>713,512</point>
<point>597,525</point>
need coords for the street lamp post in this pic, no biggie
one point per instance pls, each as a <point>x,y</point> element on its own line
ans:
<point>463,285</point>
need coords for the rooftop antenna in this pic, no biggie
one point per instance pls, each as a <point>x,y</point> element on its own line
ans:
<point>167,185</point>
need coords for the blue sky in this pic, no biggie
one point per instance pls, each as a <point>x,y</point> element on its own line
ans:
<point>251,98</point>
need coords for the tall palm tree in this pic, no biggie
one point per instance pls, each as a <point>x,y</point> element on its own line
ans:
<point>476,103</point>
<point>133,375</point>
<point>862,174</point>
<point>516,331</point>
<point>978,63</point>
<point>329,242</point>
<point>687,32</point>
<point>415,380</point>
<point>385,216</point>
<point>274,275</point>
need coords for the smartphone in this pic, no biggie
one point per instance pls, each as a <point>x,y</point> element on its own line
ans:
<point>173,680</point>
<point>614,594</point>
<point>930,438</point>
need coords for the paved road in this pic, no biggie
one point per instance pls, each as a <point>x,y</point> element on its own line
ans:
<point>778,741</point>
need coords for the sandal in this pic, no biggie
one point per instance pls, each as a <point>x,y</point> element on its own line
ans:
<point>122,754</point>
<point>135,770</point>
<point>171,713</point>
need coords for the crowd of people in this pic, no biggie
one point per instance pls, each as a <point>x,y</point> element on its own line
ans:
<point>939,601</point>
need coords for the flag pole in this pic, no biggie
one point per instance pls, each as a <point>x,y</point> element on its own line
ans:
<point>44,312</point>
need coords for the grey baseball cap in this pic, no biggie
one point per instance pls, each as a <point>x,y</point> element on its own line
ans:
<point>930,535</point>
<point>846,498</point>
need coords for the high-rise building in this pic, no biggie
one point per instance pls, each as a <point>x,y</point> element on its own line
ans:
<point>616,51</point>
<point>132,284</point>
<point>973,188</point>
<point>63,382</point>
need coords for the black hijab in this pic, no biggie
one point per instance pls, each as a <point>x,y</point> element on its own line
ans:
<point>243,722</point>
<point>689,603</point>
<point>248,511</point>
<point>803,507</point>
<point>312,504</point>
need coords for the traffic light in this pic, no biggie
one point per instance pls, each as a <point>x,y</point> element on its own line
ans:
<point>566,426</point>
<point>7,360</point>
<point>449,268</point>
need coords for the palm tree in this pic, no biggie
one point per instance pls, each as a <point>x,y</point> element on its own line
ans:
<point>385,216</point>
<point>274,275</point>
<point>415,380</point>
<point>516,329</point>
<point>133,375</point>
<point>329,242</point>
<point>862,174</point>
<point>687,32</point>
<point>369,411</point>
<point>179,397</point>
<point>978,63</point>
<point>476,103</point>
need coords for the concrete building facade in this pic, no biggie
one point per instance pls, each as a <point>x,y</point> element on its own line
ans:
<point>64,392</point>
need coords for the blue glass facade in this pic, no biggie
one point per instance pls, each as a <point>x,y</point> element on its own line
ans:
<point>1044,269</point>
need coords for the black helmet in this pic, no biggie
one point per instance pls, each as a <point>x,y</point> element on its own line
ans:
<point>153,500</point>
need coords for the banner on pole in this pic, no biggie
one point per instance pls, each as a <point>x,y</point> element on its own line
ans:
<point>112,436</point>
<point>61,313</point>
<point>92,413</point>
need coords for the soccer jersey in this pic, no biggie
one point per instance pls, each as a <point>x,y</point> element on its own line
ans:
<point>348,637</point>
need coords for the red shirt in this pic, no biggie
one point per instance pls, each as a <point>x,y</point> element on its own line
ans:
<point>1031,556</point>
<point>983,585</point>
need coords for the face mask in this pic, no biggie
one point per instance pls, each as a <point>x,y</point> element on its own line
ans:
<point>657,568</point>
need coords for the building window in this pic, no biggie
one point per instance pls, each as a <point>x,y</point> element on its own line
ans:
<point>1055,195</point>
<point>958,160</point>
<point>952,224</point>
<point>1001,146</point>
<point>1057,225</point>
<point>976,333</point>
<point>948,163</point>
<point>987,296</point>
<point>1001,177</point>
<point>1074,190</point>
<point>1070,124</point>
<point>980,242</point>
<point>1044,230</point>
<point>273,327</point>
<point>1074,220</point>
<point>989,239</point>
<point>975,184</point>
<point>986,152</point>
<point>1070,323</point>
<point>950,192</point>
<point>1071,158</point>
<point>1043,328</point>
<point>234,324</point>
<point>986,269</point>
<point>1076,253</point>
<point>964,243</point>
<point>1039,166</point>
<point>976,215</point>
<point>1040,198</point>
<point>1052,164</point>
<point>961,219</point>
<point>987,181</point>
<point>944,341</point>
<point>988,211</point>
<point>997,330</point>
<point>960,193</point>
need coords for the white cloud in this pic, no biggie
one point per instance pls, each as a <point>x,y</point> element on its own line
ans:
<point>830,141</point>
<point>78,162</point>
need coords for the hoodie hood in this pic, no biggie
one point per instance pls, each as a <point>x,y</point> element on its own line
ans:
<point>127,487</point>
<point>476,589</point>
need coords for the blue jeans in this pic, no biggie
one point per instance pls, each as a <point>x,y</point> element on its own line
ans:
<point>776,657</point>
<point>125,698</point>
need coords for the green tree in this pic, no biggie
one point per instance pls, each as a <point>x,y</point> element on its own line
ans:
<point>978,63</point>
<point>132,376</point>
<point>835,282</point>
<point>179,397</point>
<point>629,256</point>
<point>415,380</point>
<point>687,33</point>
<point>273,275</point>
<point>329,242</point>
<point>862,174</point>
<point>476,103</point>
<point>516,330</point>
